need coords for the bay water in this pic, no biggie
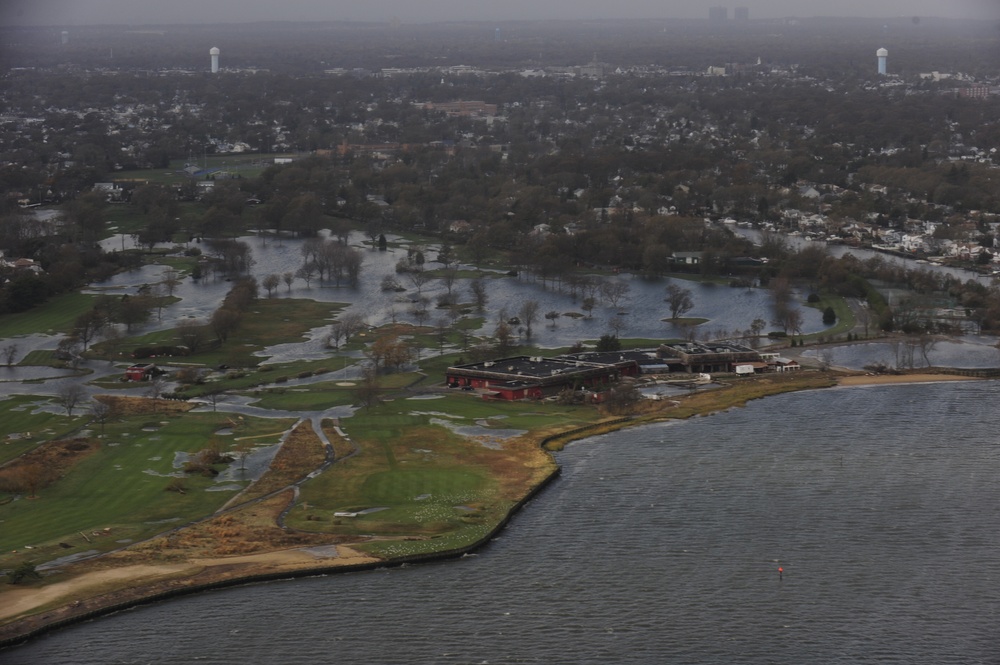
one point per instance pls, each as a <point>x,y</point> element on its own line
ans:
<point>663,544</point>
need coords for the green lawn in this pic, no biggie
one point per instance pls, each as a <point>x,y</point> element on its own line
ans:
<point>313,397</point>
<point>55,316</point>
<point>269,321</point>
<point>422,479</point>
<point>425,480</point>
<point>845,317</point>
<point>122,487</point>
<point>30,429</point>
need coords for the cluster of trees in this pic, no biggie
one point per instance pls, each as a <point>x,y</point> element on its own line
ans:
<point>227,318</point>
<point>330,259</point>
<point>60,266</point>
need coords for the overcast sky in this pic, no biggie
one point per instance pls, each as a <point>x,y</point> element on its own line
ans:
<point>138,12</point>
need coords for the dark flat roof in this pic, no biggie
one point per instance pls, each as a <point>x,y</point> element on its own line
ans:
<point>531,366</point>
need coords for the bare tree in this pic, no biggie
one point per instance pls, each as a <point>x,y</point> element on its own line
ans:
<point>368,392</point>
<point>101,412</point>
<point>448,277</point>
<point>441,329</point>
<point>617,324</point>
<point>9,354</point>
<point>88,325</point>
<point>270,283</point>
<point>615,292</point>
<point>243,450</point>
<point>478,289</point>
<point>306,272</point>
<point>288,278</point>
<point>503,336</point>
<point>225,321</point>
<point>419,279</point>
<point>29,478</point>
<point>754,331</point>
<point>336,334</point>
<point>352,323</point>
<point>926,343</point>
<point>213,396</point>
<point>622,396</point>
<point>864,314</point>
<point>679,300</point>
<point>529,314</point>
<point>68,396</point>
<point>171,280</point>
<point>193,333</point>
<point>419,311</point>
<point>155,387</point>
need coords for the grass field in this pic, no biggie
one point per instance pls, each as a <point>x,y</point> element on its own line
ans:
<point>423,483</point>
<point>270,321</point>
<point>314,397</point>
<point>23,428</point>
<point>122,487</point>
<point>845,318</point>
<point>55,316</point>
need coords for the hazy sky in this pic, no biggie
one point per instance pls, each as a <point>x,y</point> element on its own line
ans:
<point>90,12</point>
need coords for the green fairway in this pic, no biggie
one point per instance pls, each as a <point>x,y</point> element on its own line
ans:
<point>845,317</point>
<point>314,397</point>
<point>21,429</point>
<point>122,487</point>
<point>55,316</point>
<point>417,479</point>
<point>270,321</point>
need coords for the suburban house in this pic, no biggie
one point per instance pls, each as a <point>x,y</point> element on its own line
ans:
<point>687,258</point>
<point>778,363</point>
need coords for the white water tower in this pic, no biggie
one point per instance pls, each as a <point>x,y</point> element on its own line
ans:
<point>883,56</point>
<point>214,52</point>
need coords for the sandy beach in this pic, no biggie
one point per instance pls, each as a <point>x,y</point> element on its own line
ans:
<point>886,379</point>
<point>92,590</point>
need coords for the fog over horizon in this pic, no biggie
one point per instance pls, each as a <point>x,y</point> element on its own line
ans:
<point>147,12</point>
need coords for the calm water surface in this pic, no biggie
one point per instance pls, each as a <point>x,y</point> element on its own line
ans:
<point>662,545</point>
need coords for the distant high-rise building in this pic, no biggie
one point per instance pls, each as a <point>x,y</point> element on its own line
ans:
<point>883,57</point>
<point>214,52</point>
<point>65,37</point>
<point>741,13</point>
<point>496,35</point>
<point>718,13</point>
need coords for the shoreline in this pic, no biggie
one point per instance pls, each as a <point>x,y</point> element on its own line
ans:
<point>74,600</point>
<point>220,573</point>
<point>900,379</point>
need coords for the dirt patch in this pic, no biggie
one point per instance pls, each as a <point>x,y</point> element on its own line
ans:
<point>341,447</point>
<point>39,468</point>
<point>122,405</point>
<point>95,587</point>
<point>887,379</point>
<point>300,454</point>
<point>250,529</point>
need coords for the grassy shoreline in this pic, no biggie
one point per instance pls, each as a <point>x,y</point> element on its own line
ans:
<point>107,584</point>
